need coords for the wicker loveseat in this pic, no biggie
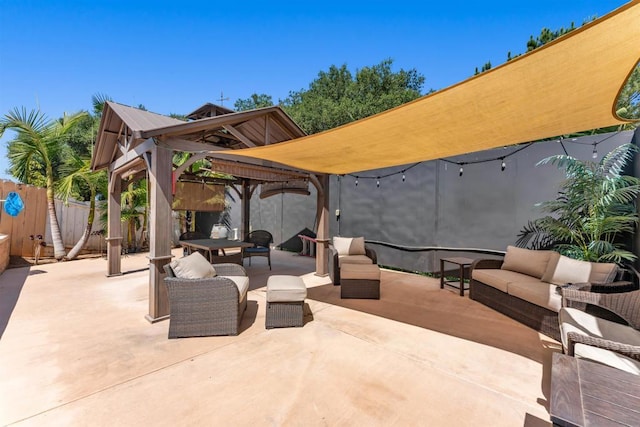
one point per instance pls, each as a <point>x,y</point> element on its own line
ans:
<point>207,299</point>
<point>526,284</point>
<point>348,250</point>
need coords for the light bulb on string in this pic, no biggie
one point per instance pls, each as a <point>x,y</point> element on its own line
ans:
<point>461,170</point>
<point>595,151</point>
<point>378,182</point>
<point>356,181</point>
<point>403,177</point>
<point>503,165</point>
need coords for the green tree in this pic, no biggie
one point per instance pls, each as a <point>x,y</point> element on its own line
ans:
<point>77,171</point>
<point>337,96</point>
<point>36,147</point>
<point>253,102</point>
<point>593,212</point>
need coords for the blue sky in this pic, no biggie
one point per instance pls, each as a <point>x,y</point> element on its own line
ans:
<point>174,56</point>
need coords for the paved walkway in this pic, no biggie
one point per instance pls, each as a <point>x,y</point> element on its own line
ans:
<point>77,351</point>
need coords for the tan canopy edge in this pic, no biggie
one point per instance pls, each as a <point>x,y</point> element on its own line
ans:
<point>567,86</point>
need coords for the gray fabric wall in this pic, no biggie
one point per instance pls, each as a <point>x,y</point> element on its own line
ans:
<point>485,208</point>
<point>283,215</point>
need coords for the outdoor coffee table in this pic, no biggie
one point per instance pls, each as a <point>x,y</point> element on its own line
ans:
<point>462,263</point>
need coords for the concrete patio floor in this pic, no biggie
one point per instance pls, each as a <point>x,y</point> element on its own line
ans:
<point>77,350</point>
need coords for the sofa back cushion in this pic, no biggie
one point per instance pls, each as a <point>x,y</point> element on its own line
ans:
<point>562,270</point>
<point>349,245</point>
<point>603,272</point>
<point>194,266</point>
<point>526,261</point>
<point>567,270</point>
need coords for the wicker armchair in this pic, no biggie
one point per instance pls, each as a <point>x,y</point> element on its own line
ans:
<point>335,260</point>
<point>204,307</point>
<point>608,341</point>
<point>261,240</point>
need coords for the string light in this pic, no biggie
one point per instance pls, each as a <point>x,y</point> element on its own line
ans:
<point>503,163</point>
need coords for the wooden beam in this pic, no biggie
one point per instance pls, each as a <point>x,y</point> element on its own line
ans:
<point>132,155</point>
<point>114,238</point>
<point>246,208</point>
<point>160,231</point>
<point>187,146</point>
<point>235,132</point>
<point>183,167</point>
<point>322,221</point>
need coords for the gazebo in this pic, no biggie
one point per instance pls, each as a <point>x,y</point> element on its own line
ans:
<point>134,144</point>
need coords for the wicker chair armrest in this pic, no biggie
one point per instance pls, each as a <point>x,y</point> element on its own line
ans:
<point>229,269</point>
<point>371,254</point>
<point>613,287</point>
<point>625,304</point>
<point>573,338</point>
<point>486,264</point>
<point>219,288</point>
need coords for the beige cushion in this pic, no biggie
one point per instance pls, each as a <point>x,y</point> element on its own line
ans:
<point>242,283</point>
<point>354,259</point>
<point>499,279</point>
<point>194,266</point>
<point>360,271</point>
<point>526,261</point>
<point>536,292</point>
<point>349,245</point>
<point>281,288</point>
<point>602,272</point>
<point>574,320</point>
<point>568,270</point>
<point>551,267</point>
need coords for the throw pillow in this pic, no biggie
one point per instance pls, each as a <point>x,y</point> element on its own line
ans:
<point>526,261</point>
<point>194,266</point>
<point>569,270</point>
<point>349,245</point>
<point>603,272</point>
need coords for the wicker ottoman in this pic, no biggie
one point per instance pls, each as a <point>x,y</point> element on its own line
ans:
<point>360,281</point>
<point>285,301</point>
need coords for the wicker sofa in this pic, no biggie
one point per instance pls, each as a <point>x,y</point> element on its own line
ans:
<point>348,250</point>
<point>526,285</point>
<point>207,299</point>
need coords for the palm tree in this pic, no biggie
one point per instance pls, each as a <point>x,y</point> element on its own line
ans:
<point>77,170</point>
<point>31,155</point>
<point>594,210</point>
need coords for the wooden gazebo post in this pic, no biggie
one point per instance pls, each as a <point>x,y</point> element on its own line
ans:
<point>322,219</point>
<point>160,183</point>
<point>114,236</point>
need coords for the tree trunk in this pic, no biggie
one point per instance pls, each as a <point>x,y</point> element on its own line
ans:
<point>73,253</point>
<point>56,236</point>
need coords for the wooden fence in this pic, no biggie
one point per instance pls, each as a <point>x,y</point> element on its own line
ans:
<point>34,221</point>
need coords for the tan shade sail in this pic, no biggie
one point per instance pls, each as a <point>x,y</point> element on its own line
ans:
<point>569,85</point>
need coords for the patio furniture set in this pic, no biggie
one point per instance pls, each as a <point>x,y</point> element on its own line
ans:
<point>208,298</point>
<point>595,317</point>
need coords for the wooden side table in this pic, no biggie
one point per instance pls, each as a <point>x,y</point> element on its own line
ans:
<point>462,263</point>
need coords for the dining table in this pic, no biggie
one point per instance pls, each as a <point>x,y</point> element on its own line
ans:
<point>212,247</point>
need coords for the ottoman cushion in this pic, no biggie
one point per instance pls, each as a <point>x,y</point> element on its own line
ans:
<point>360,271</point>
<point>281,288</point>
